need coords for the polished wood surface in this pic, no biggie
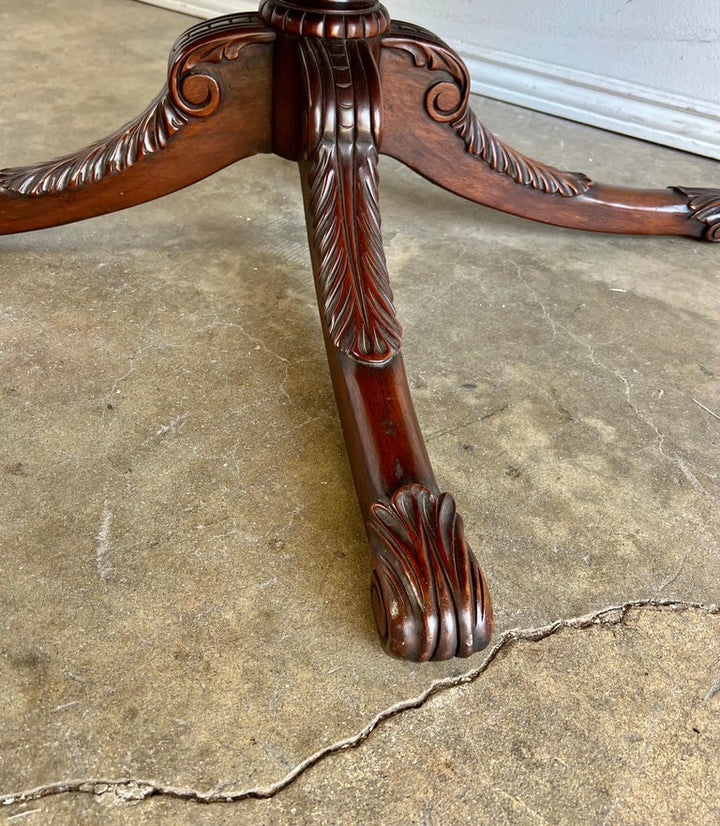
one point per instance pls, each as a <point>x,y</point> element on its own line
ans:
<point>331,85</point>
<point>200,122</point>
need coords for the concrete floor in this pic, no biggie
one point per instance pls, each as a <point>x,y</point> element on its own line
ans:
<point>184,607</point>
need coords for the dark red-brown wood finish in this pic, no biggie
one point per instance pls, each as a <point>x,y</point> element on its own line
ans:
<point>330,85</point>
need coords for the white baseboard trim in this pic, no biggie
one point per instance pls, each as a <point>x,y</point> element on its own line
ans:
<point>597,100</point>
<point>204,8</point>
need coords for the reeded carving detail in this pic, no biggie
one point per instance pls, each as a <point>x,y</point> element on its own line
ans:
<point>368,21</point>
<point>342,179</point>
<point>705,207</point>
<point>428,594</point>
<point>191,92</point>
<point>447,101</point>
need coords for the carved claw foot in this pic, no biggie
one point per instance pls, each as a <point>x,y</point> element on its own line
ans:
<point>429,597</point>
<point>429,126</point>
<point>199,123</point>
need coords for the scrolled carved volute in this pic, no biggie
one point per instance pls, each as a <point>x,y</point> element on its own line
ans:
<point>704,206</point>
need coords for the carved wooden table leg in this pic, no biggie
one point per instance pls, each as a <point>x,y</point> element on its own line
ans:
<point>203,120</point>
<point>429,597</point>
<point>329,84</point>
<point>429,126</point>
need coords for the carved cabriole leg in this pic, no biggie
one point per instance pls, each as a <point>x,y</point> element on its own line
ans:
<point>215,109</point>
<point>429,126</point>
<point>429,597</point>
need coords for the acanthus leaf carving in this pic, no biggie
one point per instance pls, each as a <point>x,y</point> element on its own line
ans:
<point>189,93</point>
<point>447,101</point>
<point>356,295</point>
<point>428,593</point>
<point>353,282</point>
<point>704,204</point>
<point>145,135</point>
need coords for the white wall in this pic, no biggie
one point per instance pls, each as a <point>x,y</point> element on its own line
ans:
<point>647,68</point>
<point>670,45</point>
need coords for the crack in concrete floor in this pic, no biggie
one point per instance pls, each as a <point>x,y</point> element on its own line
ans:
<point>131,789</point>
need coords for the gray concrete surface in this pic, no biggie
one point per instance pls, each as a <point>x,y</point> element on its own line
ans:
<point>184,608</point>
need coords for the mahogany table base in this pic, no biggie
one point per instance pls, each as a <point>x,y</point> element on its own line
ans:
<point>330,85</point>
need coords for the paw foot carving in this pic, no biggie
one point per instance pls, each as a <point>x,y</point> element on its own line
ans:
<point>429,596</point>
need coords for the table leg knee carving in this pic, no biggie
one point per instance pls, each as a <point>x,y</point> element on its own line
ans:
<point>447,102</point>
<point>429,126</point>
<point>195,126</point>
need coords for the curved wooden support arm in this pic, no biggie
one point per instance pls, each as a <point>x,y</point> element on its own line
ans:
<point>428,594</point>
<point>429,597</point>
<point>429,126</point>
<point>202,121</point>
